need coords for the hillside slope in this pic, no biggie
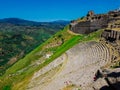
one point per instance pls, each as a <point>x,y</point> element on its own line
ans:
<point>18,37</point>
<point>22,71</point>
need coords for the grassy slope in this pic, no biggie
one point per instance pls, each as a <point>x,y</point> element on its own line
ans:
<point>19,82</point>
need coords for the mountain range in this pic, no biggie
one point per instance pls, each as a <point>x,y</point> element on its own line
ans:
<point>18,21</point>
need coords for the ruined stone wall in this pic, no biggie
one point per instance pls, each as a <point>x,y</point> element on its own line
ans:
<point>111,35</point>
<point>112,39</point>
<point>95,22</point>
<point>98,24</point>
<point>81,27</point>
<point>89,26</point>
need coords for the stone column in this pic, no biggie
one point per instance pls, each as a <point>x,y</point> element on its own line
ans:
<point>114,34</point>
<point>111,34</point>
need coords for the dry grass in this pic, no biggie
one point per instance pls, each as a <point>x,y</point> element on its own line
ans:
<point>71,87</point>
<point>21,85</point>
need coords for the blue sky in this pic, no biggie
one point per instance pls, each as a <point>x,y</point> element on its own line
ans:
<point>49,10</point>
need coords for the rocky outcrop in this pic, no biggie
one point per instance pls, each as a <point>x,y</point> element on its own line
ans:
<point>107,80</point>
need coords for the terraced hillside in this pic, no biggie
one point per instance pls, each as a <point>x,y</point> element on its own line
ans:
<point>79,65</point>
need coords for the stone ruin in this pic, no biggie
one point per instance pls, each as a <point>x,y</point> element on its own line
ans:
<point>94,22</point>
<point>110,39</point>
<point>111,35</point>
<point>109,79</point>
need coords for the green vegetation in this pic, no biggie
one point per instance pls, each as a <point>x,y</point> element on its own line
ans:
<point>18,40</point>
<point>7,88</point>
<point>71,87</point>
<point>21,72</point>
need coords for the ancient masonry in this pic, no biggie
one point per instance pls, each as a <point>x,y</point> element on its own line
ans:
<point>110,22</point>
<point>93,22</point>
<point>111,35</point>
<point>112,39</point>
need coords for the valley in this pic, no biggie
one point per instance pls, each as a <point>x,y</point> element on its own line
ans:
<point>19,37</point>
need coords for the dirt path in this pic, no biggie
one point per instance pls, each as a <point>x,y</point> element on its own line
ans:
<point>69,31</point>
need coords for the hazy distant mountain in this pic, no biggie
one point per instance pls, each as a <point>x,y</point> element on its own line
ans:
<point>61,22</point>
<point>18,21</point>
